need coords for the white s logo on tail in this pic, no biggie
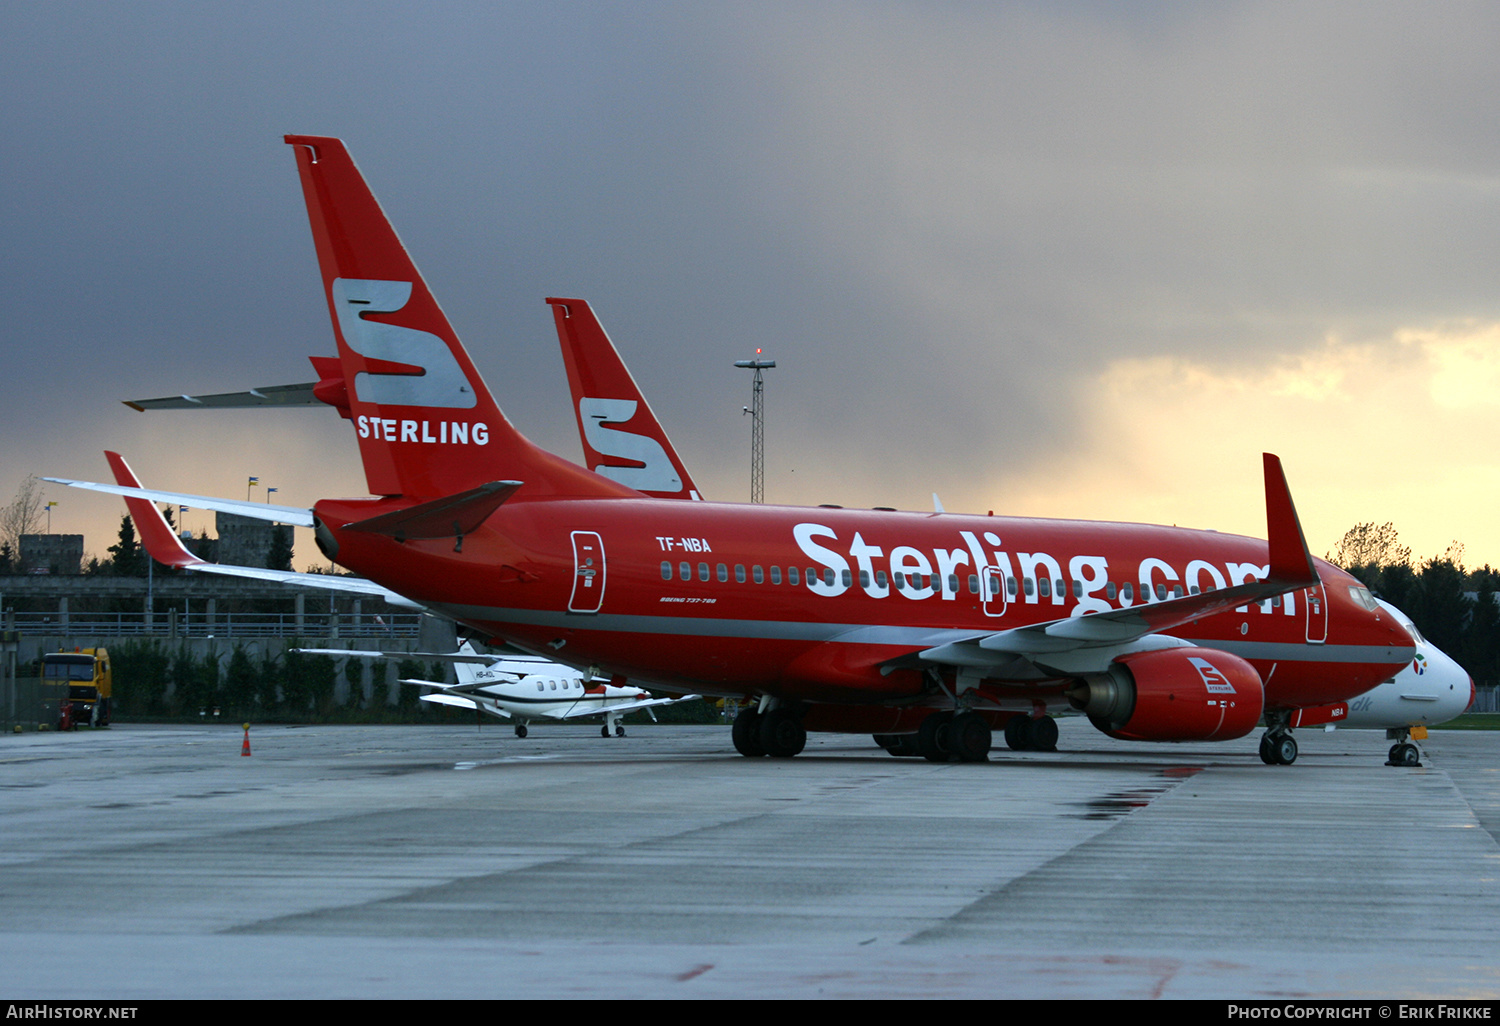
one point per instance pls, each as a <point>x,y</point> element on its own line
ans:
<point>442,384</point>
<point>658,474</point>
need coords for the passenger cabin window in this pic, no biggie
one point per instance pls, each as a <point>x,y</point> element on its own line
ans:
<point>723,573</point>
<point>776,575</point>
<point>880,580</point>
<point>791,575</point>
<point>1044,587</point>
<point>739,573</point>
<point>703,571</point>
<point>666,570</point>
<point>758,575</point>
<point>685,571</point>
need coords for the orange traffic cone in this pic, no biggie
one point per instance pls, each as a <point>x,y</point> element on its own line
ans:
<point>245,749</point>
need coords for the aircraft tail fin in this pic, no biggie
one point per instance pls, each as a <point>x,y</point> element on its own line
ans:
<point>622,439</point>
<point>427,425</point>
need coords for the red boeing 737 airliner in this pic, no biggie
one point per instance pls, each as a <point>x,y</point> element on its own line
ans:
<point>926,629</point>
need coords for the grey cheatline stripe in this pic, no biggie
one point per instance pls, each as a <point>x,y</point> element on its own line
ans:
<point>881,634</point>
<point>1282,651</point>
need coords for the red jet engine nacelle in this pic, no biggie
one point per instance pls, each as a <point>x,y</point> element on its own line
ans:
<point>1176,694</point>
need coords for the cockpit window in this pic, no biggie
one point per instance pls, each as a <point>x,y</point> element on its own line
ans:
<point>1362,596</point>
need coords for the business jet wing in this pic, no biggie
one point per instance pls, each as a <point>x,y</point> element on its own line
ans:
<point>166,548</point>
<point>1291,568</point>
<point>458,702</point>
<point>622,707</point>
<point>441,657</point>
<point>622,439</point>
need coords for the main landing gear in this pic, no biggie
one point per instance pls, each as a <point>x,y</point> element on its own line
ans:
<point>1278,747</point>
<point>777,732</point>
<point>1403,752</point>
<point>944,737</point>
<point>1031,733</point>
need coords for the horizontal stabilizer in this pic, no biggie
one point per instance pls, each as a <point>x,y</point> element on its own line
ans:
<point>448,517</point>
<point>266,395</point>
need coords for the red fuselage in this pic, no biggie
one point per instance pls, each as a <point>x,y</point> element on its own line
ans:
<point>806,604</point>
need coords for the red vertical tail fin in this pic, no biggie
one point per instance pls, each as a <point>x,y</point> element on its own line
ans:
<point>622,439</point>
<point>427,425</point>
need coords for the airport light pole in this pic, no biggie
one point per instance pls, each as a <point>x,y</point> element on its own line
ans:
<point>756,410</point>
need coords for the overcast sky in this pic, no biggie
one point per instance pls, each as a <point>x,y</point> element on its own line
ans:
<point>1065,260</point>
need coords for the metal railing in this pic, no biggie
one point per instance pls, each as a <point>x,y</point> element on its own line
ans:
<point>220,625</point>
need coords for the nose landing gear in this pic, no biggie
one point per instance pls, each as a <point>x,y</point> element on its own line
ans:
<point>1278,747</point>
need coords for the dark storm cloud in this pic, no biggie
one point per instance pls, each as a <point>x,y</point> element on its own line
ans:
<point>939,218</point>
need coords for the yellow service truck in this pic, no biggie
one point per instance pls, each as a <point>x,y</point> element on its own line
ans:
<point>85,673</point>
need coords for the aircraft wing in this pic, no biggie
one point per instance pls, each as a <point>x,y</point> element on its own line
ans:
<point>442,657</point>
<point>623,707</point>
<point>462,703</point>
<point>1291,569</point>
<point>298,516</point>
<point>166,548</point>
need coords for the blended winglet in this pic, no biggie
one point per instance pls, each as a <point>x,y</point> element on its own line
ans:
<point>156,534</point>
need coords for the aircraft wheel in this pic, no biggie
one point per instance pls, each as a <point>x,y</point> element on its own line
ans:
<point>898,744</point>
<point>932,737</point>
<point>1043,734</point>
<point>782,734</point>
<point>1268,753</point>
<point>1018,733</point>
<point>1285,749</point>
<point>520,730</point>
<point>619,730</point>
<point>1408,755</point>
<point>969,737</point>
<point>746,733</point>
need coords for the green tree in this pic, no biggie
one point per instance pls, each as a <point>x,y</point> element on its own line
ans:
<point>280,556</point>
<point>1366,545</point>
<point>126,556</point>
